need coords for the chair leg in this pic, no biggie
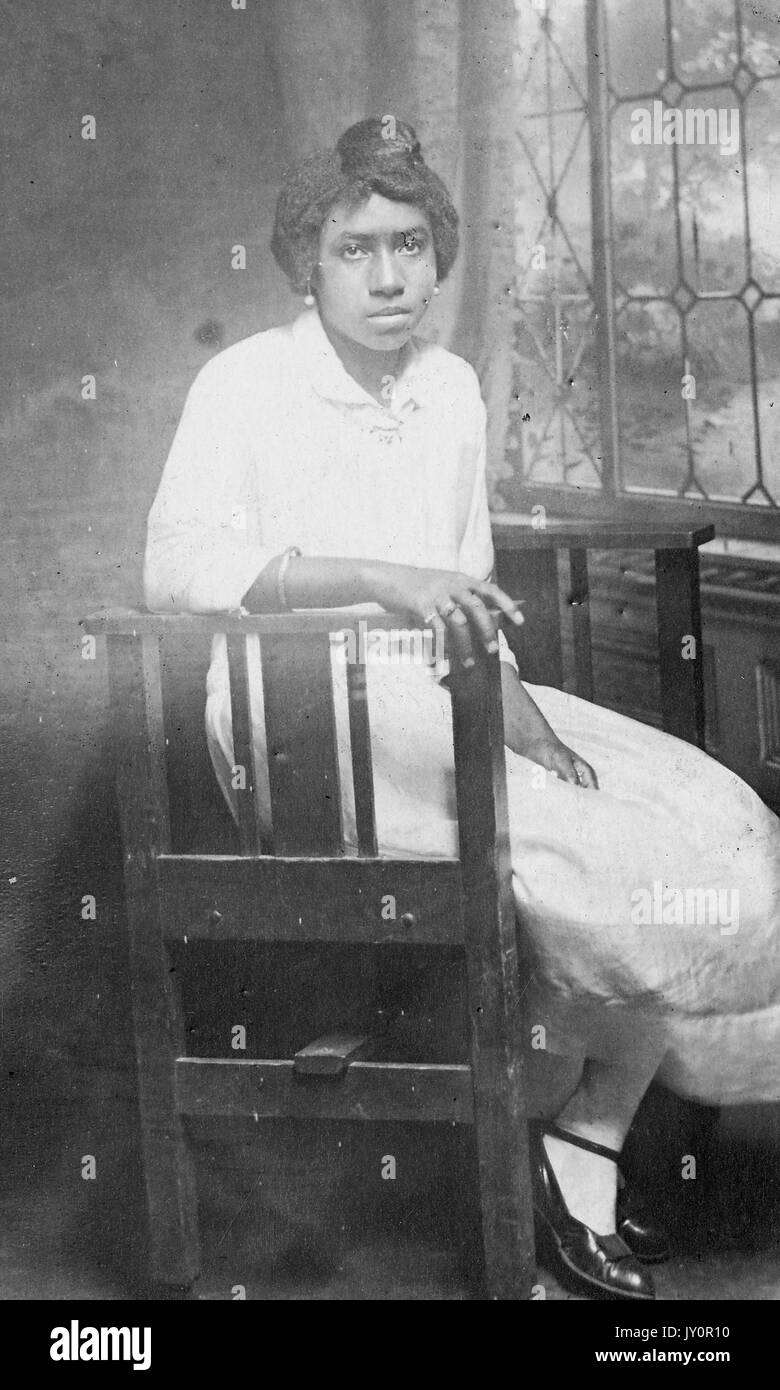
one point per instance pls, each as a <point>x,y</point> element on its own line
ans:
<point>171,1200</point>
<point>505,1196</point>
<point>500,1110</point>
<point>139,742</point>
<point>171,1194</point>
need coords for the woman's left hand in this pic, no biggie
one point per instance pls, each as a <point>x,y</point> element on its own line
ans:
<point>551,753</point>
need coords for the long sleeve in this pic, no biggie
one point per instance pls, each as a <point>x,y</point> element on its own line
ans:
<point>203,551</point>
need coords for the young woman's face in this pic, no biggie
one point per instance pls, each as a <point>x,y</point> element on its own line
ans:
<point>377,271</point>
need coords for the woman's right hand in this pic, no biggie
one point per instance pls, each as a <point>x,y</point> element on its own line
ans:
<point>435,597</point>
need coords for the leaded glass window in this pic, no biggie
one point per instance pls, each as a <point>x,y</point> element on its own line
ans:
<point>647,309</point>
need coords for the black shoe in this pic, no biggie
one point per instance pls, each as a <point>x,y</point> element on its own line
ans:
<point>603,1263</point>
<point>643,1236</point>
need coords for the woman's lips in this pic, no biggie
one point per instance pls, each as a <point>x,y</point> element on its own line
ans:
<point>390,313</point>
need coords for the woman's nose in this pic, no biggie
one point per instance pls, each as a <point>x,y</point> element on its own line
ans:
<point>386,275</point>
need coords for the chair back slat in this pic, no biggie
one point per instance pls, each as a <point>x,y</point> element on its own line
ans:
<point>362,764</point>
<point>200,819</point>
<point>303,768</point>
<point>244,771</point>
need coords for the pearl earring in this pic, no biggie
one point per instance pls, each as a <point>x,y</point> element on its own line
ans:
<point>308,298</point>
<point>436,289</point>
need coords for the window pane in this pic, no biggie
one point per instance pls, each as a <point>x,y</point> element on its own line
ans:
<point>553,436</point>
<point>704,38</point>
<point>636,44</point>
<point>651,413</point>
<point>721,415</point>
<point>712,193</point>
<point>643,210</point>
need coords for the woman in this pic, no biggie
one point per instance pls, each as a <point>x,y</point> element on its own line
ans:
<point>340,461</point>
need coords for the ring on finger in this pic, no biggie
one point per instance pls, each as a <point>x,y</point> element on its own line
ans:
<point>432,616</point>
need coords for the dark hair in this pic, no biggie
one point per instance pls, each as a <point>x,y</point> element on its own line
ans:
<point>378,155</point>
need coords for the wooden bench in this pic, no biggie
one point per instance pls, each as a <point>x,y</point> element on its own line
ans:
<point>527,566</point>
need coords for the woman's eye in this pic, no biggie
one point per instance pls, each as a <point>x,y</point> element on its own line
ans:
<point>352,253</point>
<point>411,245</point>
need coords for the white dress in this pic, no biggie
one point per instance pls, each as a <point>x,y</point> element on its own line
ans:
<point>652,903</point>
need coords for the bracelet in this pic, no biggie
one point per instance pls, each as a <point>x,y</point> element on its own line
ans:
<point>288,555</point>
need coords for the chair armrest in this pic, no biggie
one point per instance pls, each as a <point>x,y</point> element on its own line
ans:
<point>134,622</point>
<point>601,535</point>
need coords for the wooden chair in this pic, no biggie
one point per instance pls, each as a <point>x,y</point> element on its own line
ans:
<point>304,888</point>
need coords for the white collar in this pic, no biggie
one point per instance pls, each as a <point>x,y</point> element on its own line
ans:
<point>330,378</point>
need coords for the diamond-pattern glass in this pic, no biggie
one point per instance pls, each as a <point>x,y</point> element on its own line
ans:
<point>683,336</point>
<point>751,295</point>
<point>743,80</point>
<point>684,298</point>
